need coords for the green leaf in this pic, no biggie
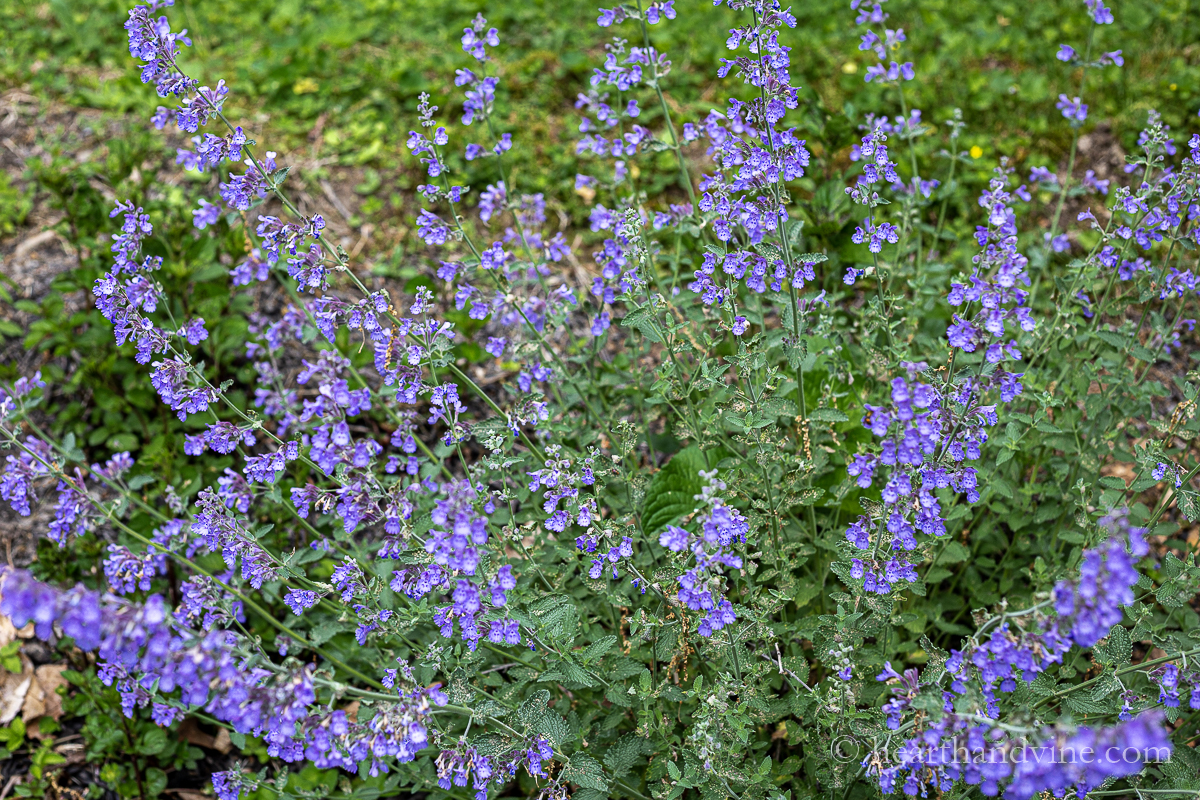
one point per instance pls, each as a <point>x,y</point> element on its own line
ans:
<point>641,319</point>
<point>954,553</point>
<point>72,451</point>
<point>138,481</point>
<point>936,575</point>
<point>1112,338</point>
<point>589,794</point>
<point>533,709</point>
<point>553,728</point>
<point>1082,705</point>
<point>323,632</point>
<point>152,742</point>
<point>1001,487</point>
<point>624,753</point>
<point>587,772</point>
<point>828,415</point>
<point>618,668</point>
<point>121,442</point>
<point>1043,685</point>
<point>156,781</point>
<point>805,594</point>
<point>1189,505</point>
<point>618,695</point>
<point>1119,647</point>
<point>597,649</point>
<point>672,490</point>
<point>9,658</point>
<point>576,674</point>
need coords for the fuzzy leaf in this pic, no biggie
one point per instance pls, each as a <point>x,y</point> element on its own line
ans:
<point>587,772</point>
<point>597,649</point>
<point>624,753</point>
<point>671,492</point>
<point>828,415</point>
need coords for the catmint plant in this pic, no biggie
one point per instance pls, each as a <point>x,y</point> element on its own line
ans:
<point>738,499</point>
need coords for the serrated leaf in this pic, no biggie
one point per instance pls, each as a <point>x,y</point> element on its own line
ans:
<point>624,753</point>
<point>618,668</point>
<point>1081,705</point>
<point>618,695</point>
<point>323,631</point>
<point>1119,647</point>
<point>587,772</point>
<point>1043,685</point>
<point>1189,505</point>
<point>1107,684</point>
<point>598,649</point>
<point>828,415</point>
<point>534,708</point>
<point>576,673</point>
<point>641,319</point>
<point>553,728</point>
<point>672,490</point>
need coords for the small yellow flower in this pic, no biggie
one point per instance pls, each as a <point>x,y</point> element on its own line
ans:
<point>849,68</point>
<point>976,151</point>
<point>305,86</point>
<point>1174,86</point>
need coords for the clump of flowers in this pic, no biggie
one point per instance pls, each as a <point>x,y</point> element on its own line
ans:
<point>502,476</point>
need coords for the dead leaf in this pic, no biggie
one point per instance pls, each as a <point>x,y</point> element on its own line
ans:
<point>188,794</point>
<point>43,699</point>
<point>189,731</point>
<point>352,711</point>
<point>13,689</point>
<point>221,742</point>
<point>7,631</point>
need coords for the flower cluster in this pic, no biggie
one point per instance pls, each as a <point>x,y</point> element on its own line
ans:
<point>720,529</point>
<point>1019,647</point>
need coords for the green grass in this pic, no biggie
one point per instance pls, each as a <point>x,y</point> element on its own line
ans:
<point>353,69</point>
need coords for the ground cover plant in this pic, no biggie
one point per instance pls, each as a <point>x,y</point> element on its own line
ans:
<point>788,452</point>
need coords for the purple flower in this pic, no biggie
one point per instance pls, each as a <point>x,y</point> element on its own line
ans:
<point>165,715</point>
<point>1073,109</point>
<point>674,538</point>
<point>207,214</point>
<point>299,600</point>
<point>1100,13</point>
<point>475,40</point>
<point>657,11</point>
